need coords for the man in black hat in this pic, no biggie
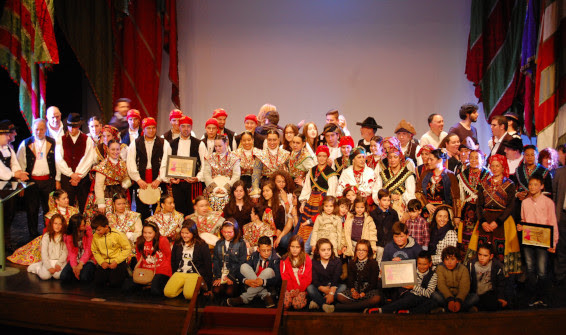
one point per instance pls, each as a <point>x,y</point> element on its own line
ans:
<point>513,127</point>
<point>9,170</point>
<point>36,156</point>
<point>514,153</point>
<point>368,129</point>
<point>74,159</point>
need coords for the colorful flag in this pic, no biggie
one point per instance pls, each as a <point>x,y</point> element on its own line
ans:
<point>550,89</point>
<point>494,52</point>
<point>528,55</point>
<point>27,43</point>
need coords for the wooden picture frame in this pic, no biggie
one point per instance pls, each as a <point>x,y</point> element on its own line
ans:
<point>537,235</point>
<point>181,167</point>
<point>398,273</point>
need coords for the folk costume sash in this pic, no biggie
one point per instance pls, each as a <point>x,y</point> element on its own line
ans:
<point>395,183</point>
<point>319,179</point>
<point>523,176</point>
<point>469,182</point>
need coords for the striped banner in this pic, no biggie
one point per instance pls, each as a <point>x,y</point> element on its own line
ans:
<point>494,52</point>
<point>550,87</point>
<point>27,43</point>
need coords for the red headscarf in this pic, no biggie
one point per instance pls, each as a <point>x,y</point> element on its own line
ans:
<point>112,130</point>
<point>503,160</point>
<point>322,148</point>
<point>148,121</point>
<point>426,147</point>
<point>346,140</point>
<point>175,114</point>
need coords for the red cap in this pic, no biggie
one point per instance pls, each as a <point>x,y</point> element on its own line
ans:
<point>251,117</point>
<point>175,114</point>
<point>133,113</point>
<point>346,140</point>
<point>185,120</point>
<point>219,112</point>
<point>322,148</point>
<point>212,121</point>
<point>148,121</point>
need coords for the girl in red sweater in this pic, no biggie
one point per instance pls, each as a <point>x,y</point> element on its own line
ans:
<point>153,253</point>
<point>296,269</point>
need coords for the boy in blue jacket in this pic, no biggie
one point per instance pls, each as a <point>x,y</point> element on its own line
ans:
<point>259,274</point>
<point>403,246</point>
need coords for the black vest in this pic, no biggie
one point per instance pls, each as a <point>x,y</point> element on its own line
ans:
<point>194,149</point>
<point>6,160</point>
<point>156,156</point>
<point>426,279</point>
<point>30,156</point>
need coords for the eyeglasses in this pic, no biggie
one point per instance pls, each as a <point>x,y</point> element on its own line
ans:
<point>362,250</point>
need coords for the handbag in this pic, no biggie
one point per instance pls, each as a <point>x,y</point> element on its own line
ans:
<point>143,276</point>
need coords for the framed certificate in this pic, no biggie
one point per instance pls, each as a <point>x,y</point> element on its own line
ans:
<point>537,235</point>
<point>398,274</point>
<point>181,167</point>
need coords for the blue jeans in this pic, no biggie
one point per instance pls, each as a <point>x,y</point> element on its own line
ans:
<point>86,275</point>
<point>308,248</point>
<point>317,296</point>
<point>284,243</point>
<point>416,304</point>
<point>537,275</point>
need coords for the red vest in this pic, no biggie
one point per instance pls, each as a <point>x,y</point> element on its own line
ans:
<point>73,152</point>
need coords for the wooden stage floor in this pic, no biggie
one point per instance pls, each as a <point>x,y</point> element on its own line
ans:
<point>30,305</point>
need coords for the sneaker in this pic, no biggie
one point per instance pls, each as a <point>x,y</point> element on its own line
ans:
<point>233,302</point>
<point>534,302</point>
<point>328,308</point>
<point>372,310</point>
<point>473,309</point>
<point>313,305</point>
<point>437,310</point>
<point>543,303</point>
<point>401,311</point>
<point>268,300</point>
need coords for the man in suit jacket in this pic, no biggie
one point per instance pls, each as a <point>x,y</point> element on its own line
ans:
<point>559,197</point>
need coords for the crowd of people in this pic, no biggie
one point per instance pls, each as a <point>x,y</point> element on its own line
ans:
<point>291,203</point>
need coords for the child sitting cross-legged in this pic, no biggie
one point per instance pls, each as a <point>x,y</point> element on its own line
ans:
<point>487,288</point>
<point>326,272</point>
<point>260,275</point>
<point>417,298</point>
<point>362,290</point>
<point>453,282</point>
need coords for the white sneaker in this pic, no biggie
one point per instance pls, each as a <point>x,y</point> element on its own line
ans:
<point>313,305</point>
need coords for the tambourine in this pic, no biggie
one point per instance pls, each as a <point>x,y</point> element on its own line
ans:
<point>149,196</point>
<point>209,238</point>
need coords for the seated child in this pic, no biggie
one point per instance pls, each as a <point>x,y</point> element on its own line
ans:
<point>362,290</point>
<point>326,272</point>
<point>417,225</point>
<point>153,253</point>
<point>78,239</point>
<point>487,287</point>
<point>260,275</point>
<point>229,254</point>
<point>402,247</point>
<point>110,250</point>
<point>190,259</point>
<point>53,250</point>
<point>296,269</point>
<point>453,282</point>
<point>256,228</point>
<point>417,299</point>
